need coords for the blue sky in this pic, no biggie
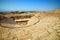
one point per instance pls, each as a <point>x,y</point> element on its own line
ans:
<point>29,5</point>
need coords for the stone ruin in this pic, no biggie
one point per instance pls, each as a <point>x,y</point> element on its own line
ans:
<point>21,20</point>
<point>17,21</point>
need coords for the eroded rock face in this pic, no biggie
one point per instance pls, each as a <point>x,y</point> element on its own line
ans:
<point>48,28</point>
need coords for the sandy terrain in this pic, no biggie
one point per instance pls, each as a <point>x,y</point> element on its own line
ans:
<point>47,28</point>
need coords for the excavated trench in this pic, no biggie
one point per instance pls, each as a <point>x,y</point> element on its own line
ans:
<point>25,20</point>
<point>18,21</point>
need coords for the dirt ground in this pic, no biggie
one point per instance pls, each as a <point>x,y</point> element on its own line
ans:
<point>47,28</point>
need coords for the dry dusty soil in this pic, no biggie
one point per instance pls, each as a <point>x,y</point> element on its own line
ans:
<point>47,28</point>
